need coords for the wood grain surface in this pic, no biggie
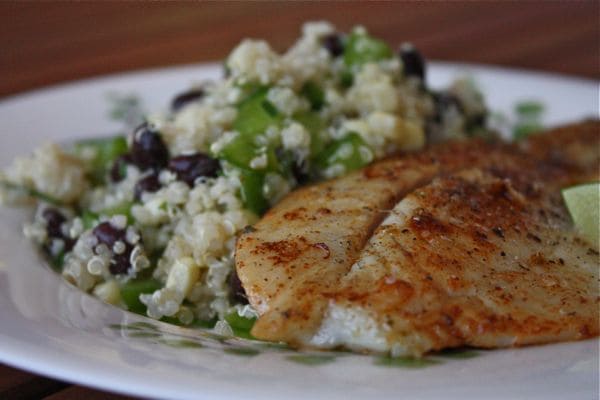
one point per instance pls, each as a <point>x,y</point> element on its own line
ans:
<point>52,42</point>
<point>46,43</point>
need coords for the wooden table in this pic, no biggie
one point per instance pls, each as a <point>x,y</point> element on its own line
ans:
<point>49,43</point>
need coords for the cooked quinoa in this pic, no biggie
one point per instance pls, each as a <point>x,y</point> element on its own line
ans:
<point>149,222</point>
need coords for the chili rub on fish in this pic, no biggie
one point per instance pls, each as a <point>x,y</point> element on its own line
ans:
<point>466,243</point>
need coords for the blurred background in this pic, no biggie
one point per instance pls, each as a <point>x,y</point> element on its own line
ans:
<point>47,43</point>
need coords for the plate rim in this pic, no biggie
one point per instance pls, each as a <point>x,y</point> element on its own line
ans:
<point>102,78</point>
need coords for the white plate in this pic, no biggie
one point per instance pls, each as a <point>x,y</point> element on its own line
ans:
<point>51,328</point>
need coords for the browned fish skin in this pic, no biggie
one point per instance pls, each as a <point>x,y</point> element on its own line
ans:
<point>450,292</point>
<point>472,261</point>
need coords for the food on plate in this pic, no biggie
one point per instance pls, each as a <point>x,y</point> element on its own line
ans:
<point>583,202</point>
<point>465,243</point>
<point>149,222</point>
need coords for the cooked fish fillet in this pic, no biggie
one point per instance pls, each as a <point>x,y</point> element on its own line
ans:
<point>463,244</point>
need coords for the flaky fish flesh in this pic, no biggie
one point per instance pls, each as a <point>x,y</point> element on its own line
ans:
<point>465,243</point>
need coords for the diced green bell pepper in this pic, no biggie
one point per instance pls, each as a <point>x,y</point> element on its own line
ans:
<point>314,124</point>
<point>252,191</point>
<point>351,152</point>
<point>106,151</point>
<point>241,151</point>
<point>346,78</point>
<point>529,108</point>
<point>362,48</point>
<point>131,291</point>
<point>90,218</point>
<point>58,261</point>
<point>121,209</point>
<point>241,326</point>
<point>529,117</point>
<point>256,114</point>
<point>314,94</point>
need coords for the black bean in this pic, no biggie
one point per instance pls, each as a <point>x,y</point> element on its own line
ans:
<point>334,45</point>
<point>54,220</point>
<point>237,292</point>
<point>413,62</point>
<point>118,170</point>
<point>186,97</point>
<point>190,167</point>
<point>108,235</point>
<point>120,263</point>
<point>148,149</point>
<point>149,183</point>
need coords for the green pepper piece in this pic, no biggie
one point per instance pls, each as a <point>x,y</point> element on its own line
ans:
<point>529,108</point>
<point>256,114</point>
<point>106,151</point>
<point>240,151</point>
<point>351,152</point>
<point>362,48</point>
<point>346,78</point>
<point>314,124</point>
<point>314,94</point>
<point>89,219</point>
<point>529,116</point>
<point>252,191</point>
<point>121,209</point>
<point>131,291</point>
<point>241,326</point>
<point>58,261</point>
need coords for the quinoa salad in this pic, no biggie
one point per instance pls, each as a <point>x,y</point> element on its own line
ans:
<point>148,221</point>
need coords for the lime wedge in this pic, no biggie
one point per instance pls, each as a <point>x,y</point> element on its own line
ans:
<point>583,202</point>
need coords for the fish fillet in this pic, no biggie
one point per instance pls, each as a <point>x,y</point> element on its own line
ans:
<point>466,243</point>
